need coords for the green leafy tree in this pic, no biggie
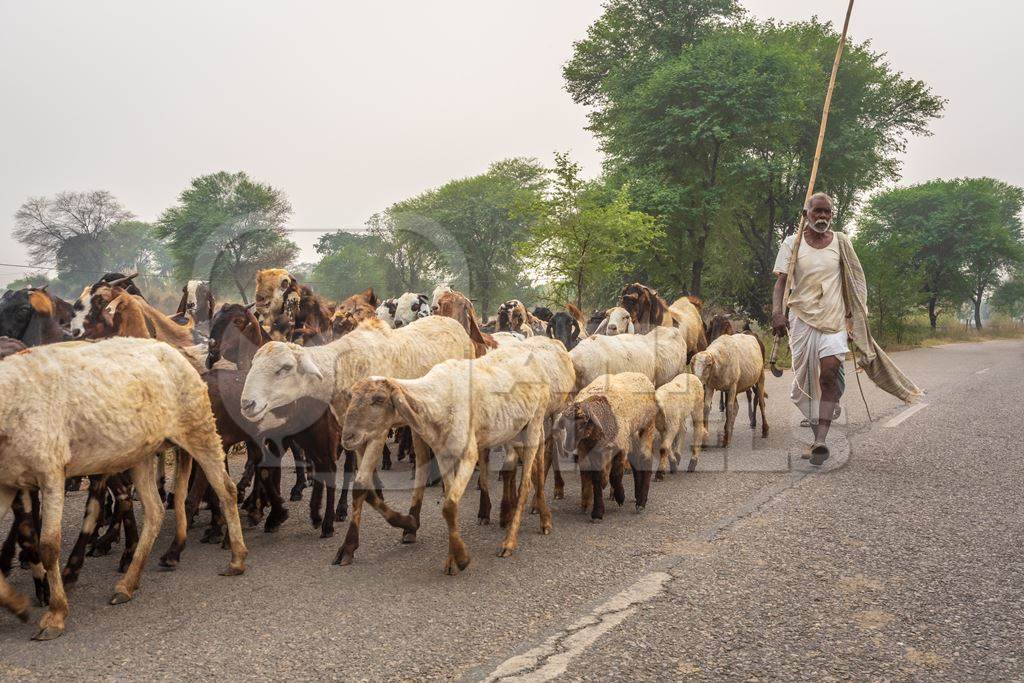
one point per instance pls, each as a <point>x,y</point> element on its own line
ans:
<point>32,280</point>
<point>894,280</point>
<point>587,238</point>
<point>1008,297</point>
<point>351,262</point>
<point>408,245</point>
<point>713,124</point>
<point>224,228</point>
<point>965,234</point>
<point>993,244</point>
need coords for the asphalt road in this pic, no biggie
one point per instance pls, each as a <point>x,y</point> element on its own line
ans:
<point>901,558</point>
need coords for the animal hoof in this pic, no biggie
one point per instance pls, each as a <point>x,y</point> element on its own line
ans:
<point>212,536</point>
<point>120,598</point>
<point>596,520</point>
<point>660,476</point>
<point>343,559</point>
<point>326,533</point>
<point>49,633</point>
<point>545,530</point>
<point>640,508</point>
<point>295,496</point>
<point>692,466</point>
<point>341,516</point>
<point>168,562</point>
<point>233,571</point>
<point>483,521</point>
<point>505,552</point>
<point>409,537</point>
<point>559,494</point>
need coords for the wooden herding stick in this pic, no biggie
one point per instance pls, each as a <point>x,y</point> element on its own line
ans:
<point>810,185</point>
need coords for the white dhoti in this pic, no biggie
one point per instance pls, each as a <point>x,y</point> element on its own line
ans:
<point>807,346</point>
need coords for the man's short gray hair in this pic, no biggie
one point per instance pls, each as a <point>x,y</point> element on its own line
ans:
<point>819,195</point>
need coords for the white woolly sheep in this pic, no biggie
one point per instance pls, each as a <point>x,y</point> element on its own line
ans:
<point>732,364</point>
<point>281,373</point>
<point>458,409</point>
<point>616,321</point>
<point>680,400</point>
<point>87,409</point>
<point>660,355</point>
<point>613,418</point>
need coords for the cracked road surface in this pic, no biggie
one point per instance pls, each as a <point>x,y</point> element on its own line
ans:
<point>899,559</point>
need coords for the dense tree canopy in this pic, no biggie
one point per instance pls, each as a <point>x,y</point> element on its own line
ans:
<point>224,228</point>
<point>959,236</point>
<point>712,120</point>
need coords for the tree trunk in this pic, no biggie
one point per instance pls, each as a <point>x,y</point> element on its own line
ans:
<point>932,315</point>
<point>977,309</point>
<point>240,288</point>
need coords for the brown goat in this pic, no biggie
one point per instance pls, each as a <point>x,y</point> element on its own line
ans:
<point>455,305</point>
<point>132,316</point>
<point>353,310</point>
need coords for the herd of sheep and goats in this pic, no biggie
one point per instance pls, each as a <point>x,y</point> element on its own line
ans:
<point>111,389</point>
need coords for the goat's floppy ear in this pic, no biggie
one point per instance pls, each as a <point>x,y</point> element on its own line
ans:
<point>549,331</point>
<point>307,366</point>
<point>404,404</point>
<point>601,329</point>
<point>631,328</point>
<point>574,332</point>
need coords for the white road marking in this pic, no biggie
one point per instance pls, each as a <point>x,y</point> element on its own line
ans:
<point>982,372</point>
<point>906,414</point>
<point>551,658</point>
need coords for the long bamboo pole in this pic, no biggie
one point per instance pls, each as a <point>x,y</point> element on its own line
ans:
<point>814,171</point>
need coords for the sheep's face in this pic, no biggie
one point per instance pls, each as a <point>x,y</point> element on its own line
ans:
<point>619,321</point>
<point>280,374</point>
<point>371,413</point>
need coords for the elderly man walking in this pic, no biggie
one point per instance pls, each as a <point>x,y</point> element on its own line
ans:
<point>827,303</point>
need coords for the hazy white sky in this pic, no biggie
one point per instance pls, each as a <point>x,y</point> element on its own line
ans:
<point>351,106</point>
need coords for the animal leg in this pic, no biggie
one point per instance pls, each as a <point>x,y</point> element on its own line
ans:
<point>422,456</point>
<point>91,518</point>
<point>362,490</point>
<point>52,502</point>
<point>731,408</point>
<point>539,501</point>
<point>348,469</point>
<point>207,452</point>
<point>455,485</point>
<point>171,558</point>
<point>9,598</point>
<point>301,479</point>
<point>761,393</point>
<point>153,513</point>
<point>125,510</point>
<point>483,515</point>
<point>616,469</point>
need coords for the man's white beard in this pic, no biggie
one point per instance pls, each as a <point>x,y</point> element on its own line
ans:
<point>821,226</point>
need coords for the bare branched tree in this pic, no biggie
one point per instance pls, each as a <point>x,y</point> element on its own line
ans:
<point>46,226</point>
